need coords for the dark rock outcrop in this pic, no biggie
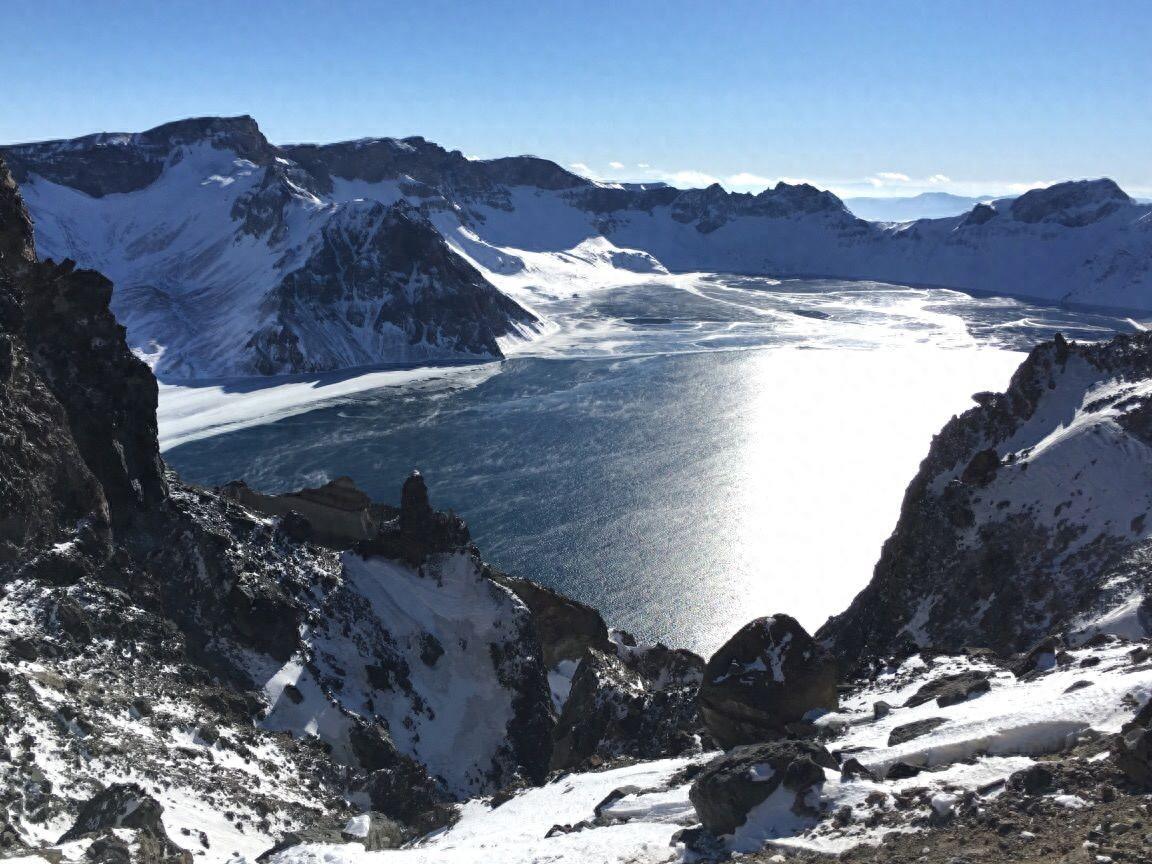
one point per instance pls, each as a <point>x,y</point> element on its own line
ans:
<point>1072,204</point>
<point>398,282</point>
<point>1132,748</point>
<point>951,689</point>
<point>639,703</point>
<point>123,805</point>
<point>119,807</point>
<point>119,162</point>
<point>982,554</point>
<point>913,730</point>
<point>565,628</point>
<point>731,785</point>
<point>764,680</point>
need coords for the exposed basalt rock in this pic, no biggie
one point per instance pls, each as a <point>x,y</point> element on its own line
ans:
<point>417,530</point>
<point>565,628</point>
<point>982,554</point>
<point>764,680</point>
<point>106,816</point>
<point>951,689</point>
<point>116,162</point>
<point>638,703</point>
<point>1072,204</point>
<point>338,513</point>
<point>1039,658</point>
<point>46,487</point>
<point>123,805</point>
<point>731,785</point>
<point>915,729</point>
<point>1132,748</point>
<point>402,287</point>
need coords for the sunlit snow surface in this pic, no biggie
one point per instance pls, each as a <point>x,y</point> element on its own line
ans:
<point>982,742</point>
<point>683,451</point>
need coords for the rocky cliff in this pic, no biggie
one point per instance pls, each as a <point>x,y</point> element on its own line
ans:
<point>1028,517</point>
<point>167,634</point>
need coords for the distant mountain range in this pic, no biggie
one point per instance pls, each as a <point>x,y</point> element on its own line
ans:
<point>234,256</point>
<point>926,205</point>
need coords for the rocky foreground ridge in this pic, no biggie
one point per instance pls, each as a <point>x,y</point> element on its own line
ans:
<point>221,674</point>
<point>234,256</point>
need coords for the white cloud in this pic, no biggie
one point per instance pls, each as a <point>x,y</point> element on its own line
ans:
<point>893,177</point>
<point>745,178</point>
<point>689,178</point>
<point>583,170</point>
<point>937,179</point>
<point>617,165</point>
<point>1024,187</point>
<point>643,165</point>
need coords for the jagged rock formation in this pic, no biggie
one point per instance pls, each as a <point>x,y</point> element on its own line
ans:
<point>1028,517</point>
<point>763,681</point>
<point>565,628</point>
<point>167,633</point>
<point>637,702</point>
<point>234,256</point>
<point>1133,748</point>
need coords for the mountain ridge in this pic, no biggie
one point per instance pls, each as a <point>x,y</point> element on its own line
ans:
<point>205,214</point>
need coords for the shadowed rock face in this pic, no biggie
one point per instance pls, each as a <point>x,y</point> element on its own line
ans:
<point>629,702</point>
<point>1027,517</point>
<point>731,785</point>
<point>46,487</point>
<point>381,274</point>
<point>119,162</point>
<point>763,680</point>
<point>1072,204</point>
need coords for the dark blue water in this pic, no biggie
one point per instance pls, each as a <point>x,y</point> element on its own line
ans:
<point>682,492</point>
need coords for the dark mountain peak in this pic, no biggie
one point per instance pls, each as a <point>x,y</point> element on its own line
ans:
<point>240,134</point>
<point>804,196</point>
<point>114,162</point>
<point>530,171</point>
<point>16,250</point>
<point>1073,203</point>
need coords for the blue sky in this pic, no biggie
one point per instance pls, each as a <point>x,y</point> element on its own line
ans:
<point>864,98</point>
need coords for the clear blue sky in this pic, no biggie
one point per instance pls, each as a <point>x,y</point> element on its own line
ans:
<point>851,95</point>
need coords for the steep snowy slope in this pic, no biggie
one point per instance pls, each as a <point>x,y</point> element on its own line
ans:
<point>234,256</point>
<point>1028,517</point>
<point>226,261</point>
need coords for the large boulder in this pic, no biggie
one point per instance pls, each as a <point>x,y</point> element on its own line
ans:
<point>1133,748</point>
<point>951,689</point>
<point>731,785</point>
<point>764,680</point>
<point>125,807</point>
<point>122,805</point>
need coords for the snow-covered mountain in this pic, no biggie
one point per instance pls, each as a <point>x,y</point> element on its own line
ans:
<point>316,677</point>
<point>1028,517</point>
<point>235,256</point>
<point>908,208</point>
<point>227,261</point>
